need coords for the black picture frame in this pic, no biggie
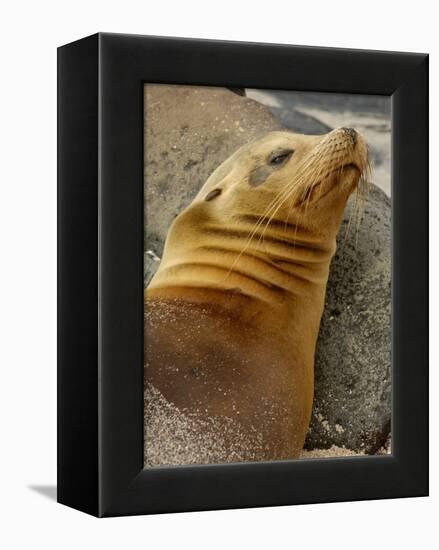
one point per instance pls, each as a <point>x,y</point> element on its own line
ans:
<point>100,274</point>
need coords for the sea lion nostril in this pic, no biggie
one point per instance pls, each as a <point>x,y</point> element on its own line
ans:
<point>352,133</point>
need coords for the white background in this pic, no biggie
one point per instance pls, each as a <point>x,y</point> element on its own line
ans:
<point>30,34</point>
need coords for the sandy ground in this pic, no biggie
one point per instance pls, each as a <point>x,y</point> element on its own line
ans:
<point>175,438</point>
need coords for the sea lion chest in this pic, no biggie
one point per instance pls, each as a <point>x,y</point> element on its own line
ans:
<point>210,363</point>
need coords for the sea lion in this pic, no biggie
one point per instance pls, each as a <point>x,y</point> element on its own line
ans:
<point>233,312</point>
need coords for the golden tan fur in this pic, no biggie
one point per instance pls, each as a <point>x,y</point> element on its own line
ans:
<point>233,313</point>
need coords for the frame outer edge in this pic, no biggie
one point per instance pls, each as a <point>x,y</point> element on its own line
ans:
<point>77,384</point>
<point>123,487</point>
<point>410,264</point>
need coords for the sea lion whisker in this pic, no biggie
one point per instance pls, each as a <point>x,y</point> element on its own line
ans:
<point>317,154</point>
<point>289,193</point>
<point>318,157</point>
<point>286,196</point>
<point>277,200</point>
<point>314,178</point>
<point>269,208</point>
<point>317,182</point>
<point>275,222</point>
<point>363,190</point>
<point>319,167</point>
<point>360,199</point>
<point>322,183</point>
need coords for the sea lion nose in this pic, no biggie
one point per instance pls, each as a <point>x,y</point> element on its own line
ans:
<point>351,133</point>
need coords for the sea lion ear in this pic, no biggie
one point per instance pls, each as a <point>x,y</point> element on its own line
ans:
<point>212,194</point>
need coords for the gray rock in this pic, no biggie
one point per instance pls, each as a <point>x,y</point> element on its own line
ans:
<point>352,400</point>
<point>334,103</point>
<point>300,122</point>
<point>189,131</point>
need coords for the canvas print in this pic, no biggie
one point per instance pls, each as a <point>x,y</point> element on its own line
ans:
<point>267,233</point>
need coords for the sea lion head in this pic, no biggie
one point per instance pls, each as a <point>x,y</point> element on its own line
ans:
<point>291,177</point>
<point>279,199</point>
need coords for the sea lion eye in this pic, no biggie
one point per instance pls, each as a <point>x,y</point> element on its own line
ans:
<point>280,158</point>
